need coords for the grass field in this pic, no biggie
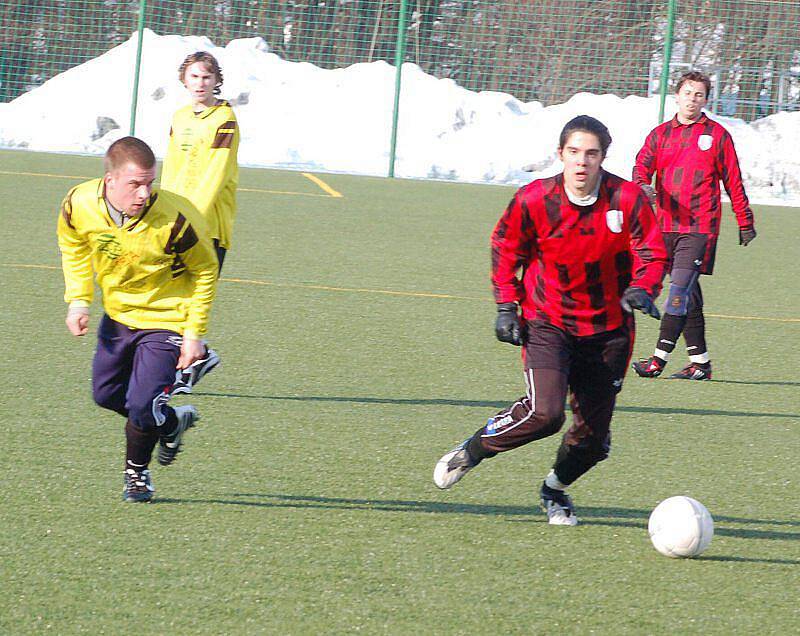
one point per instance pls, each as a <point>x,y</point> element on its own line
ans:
<point>357,342</point>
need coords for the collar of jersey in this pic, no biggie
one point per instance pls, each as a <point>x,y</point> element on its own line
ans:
<point>101,194</point>
<point>676,124</point>
<point>206,112</point>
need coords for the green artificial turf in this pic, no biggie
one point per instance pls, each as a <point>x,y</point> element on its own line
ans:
<point>357,342</point>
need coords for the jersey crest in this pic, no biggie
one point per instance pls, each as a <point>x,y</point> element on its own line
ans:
<point>614,220</point>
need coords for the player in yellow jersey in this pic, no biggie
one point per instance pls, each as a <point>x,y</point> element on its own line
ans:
<point>156,269</point>
<point>201,164</point>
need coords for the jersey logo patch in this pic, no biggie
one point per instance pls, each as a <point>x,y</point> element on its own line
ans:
<point>704,142</point>
<point>614,221</point>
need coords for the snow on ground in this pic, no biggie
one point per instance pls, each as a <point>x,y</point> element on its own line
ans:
<point>297,115</point>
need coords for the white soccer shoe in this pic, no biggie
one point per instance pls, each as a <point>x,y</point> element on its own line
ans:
<point>559,516</point>
<point>558,506</point>
<point>452,467</point>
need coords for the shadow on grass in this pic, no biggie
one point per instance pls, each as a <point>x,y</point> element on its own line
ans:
<point>484,404</point>
<point>362,400</point>
<point>674,410</point>
<point>756,382</point>
<point>589,515</point>
<point>735,559</point>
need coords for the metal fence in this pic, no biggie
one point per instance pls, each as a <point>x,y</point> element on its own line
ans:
<point>543,50</point>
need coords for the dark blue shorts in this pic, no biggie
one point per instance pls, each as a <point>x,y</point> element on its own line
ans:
<point>134,370</point>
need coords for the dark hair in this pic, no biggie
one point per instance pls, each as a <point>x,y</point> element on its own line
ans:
<point>128,150</point>
<point>208,60</point>
<point>694,76</point>
<point>585,123</point>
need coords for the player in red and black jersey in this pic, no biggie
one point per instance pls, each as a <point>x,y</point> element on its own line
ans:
<point>590,251</point>
<point>690,155</point>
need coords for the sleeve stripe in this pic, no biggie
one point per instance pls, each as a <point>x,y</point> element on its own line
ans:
<point>169,248</point>
<point>187,241</point>
<point>66,209</point>
<point>224,136</point>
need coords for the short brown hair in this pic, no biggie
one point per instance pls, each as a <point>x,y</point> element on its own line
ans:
<point>128,150</point>
<point>695,76</point>
<point>208,60</point>
<point>587,124</point>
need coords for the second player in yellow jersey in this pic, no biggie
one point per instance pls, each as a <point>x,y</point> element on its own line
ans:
<point>201,160</point>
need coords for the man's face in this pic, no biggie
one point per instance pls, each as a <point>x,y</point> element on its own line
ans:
<point>691,97</point>
<point>582,157</point>
<point>128,188</point>
<point>200,82</point>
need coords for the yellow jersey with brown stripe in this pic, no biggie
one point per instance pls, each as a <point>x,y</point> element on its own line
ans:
<point>201,165</point>
<point>157,271</point>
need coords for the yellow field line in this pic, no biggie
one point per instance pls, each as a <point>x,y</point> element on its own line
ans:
<point>323,185</point>
<point>362,290</point>
<point>330,191</point>
<point>726,316</point>
<point>44,174</point>
<point>299,194</point>
<point>389,292</point>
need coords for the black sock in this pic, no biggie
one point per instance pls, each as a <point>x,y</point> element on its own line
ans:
<point>671,328</point>
<point>139,446</point>
<point>695,335</point>
<point>475,449</point>
<point>170,422</point>
<point>574,461</point>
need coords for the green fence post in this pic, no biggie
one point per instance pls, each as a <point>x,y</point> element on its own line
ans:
<point>399,55</point>
<point>135,97</point>
<point>667,58</point>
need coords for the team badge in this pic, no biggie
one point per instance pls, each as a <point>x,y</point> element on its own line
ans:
<point>614,221</point>
<point>704,142</point>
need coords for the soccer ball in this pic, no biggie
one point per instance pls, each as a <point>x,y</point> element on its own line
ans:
<point>680,527</point>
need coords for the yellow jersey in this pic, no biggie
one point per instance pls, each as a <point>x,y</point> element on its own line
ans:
<point>157,271</point>
<point>201,165</point>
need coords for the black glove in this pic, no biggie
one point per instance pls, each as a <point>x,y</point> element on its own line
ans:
<point>637,298</point>
<point>746,234</point>
<point>508,327</point>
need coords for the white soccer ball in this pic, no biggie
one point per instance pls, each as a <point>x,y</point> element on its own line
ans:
<point>680,527</point>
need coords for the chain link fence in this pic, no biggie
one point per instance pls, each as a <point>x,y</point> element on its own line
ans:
<point>537,50</point>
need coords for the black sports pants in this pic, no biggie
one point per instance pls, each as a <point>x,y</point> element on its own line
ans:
<point>589,369</point>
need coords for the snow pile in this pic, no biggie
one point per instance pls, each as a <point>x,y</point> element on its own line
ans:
<point>297,115</point>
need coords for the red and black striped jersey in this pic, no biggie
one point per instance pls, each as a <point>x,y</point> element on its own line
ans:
<point>689,161</point>
<point>577,261</point>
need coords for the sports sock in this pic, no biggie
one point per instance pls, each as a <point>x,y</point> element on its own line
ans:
<point>477,453</point>
<point>572,462</point>
<point>552,481</point>
<point>170,421</point>
<point>139,446</point>
<point>695,335</point>
<point>671,328</point>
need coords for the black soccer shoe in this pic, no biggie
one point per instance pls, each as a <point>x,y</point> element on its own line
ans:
<point>138,486</point>
<point>558,506</point>
<point>187,378</point>
<point>170,445</point>
<point>693,371</point>
<point>651,367</point>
